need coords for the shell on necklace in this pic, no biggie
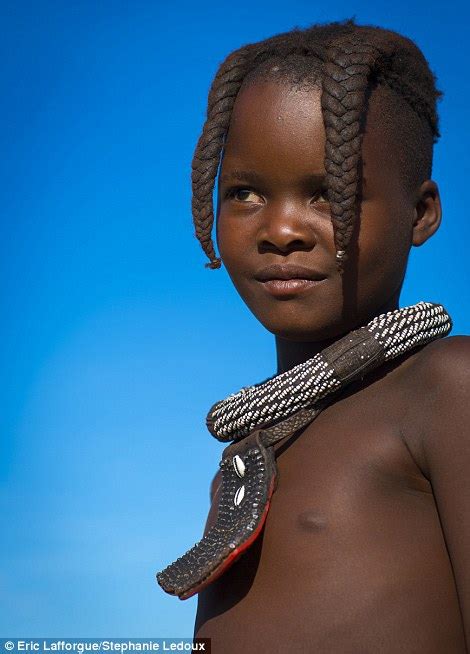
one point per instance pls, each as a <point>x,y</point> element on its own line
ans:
<point>238,465</point>
<point>239,495</point>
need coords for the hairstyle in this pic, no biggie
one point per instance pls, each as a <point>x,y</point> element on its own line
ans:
<point>347,62</point>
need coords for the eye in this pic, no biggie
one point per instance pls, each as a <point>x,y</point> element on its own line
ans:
<point>243,194</point>
<point>321,196</point>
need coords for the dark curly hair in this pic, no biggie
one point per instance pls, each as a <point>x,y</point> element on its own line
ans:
<point>346,61</point>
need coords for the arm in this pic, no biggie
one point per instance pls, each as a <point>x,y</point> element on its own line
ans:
<point>446,447</point>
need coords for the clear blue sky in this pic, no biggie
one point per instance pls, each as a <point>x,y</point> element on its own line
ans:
<point>115,339</point>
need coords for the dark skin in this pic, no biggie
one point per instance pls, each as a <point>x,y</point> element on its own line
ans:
<point>366,547</point>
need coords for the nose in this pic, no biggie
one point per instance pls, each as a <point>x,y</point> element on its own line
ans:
<point>286,228</point>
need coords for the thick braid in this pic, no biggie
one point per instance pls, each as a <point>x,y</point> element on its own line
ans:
<point>346,75</point>
<point>207,154</point>
<point>206,158</point>
<point>347,59</point>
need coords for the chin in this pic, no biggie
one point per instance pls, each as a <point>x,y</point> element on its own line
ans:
<point>302,333</point>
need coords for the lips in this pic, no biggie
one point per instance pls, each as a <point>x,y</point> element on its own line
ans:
<point>285,281</point>
<point>288,272</point>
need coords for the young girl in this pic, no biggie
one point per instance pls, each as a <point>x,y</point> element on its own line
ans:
<point>340,518</point>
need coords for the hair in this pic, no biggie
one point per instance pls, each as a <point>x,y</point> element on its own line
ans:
<point>346,62</point>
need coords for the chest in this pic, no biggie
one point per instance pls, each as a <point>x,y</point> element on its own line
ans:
<point>352,531</point>
<point>353,448</point>
<point>348,479</point>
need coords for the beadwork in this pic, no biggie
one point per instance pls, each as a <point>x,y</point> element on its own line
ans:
<point>282,395</point>
<point>259,416</point>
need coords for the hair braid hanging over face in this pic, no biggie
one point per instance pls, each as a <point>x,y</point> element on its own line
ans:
<point>344,59</point>
<point>346,74</point>
<point>207,155</point>
<point>222,95</point>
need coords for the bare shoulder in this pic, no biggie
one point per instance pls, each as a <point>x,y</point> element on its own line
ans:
<point>443,362</point>
<point>434,387</point>
<point>437,413</point>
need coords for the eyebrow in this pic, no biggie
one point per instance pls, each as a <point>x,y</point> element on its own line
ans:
<point>243,176</point>
<point>255,178</point>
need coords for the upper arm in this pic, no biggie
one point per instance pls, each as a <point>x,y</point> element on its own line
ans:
<point>446,447</point>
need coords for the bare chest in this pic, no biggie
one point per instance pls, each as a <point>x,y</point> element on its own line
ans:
<point>352,555</point>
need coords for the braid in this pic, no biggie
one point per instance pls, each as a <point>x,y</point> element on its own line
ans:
<point>222,95</point>
<point>346,75</point>
<point>209,147</point>
<point>347,60</point>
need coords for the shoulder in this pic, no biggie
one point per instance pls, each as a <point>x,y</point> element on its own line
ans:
<point>444,363</point>
<point>435,387</point>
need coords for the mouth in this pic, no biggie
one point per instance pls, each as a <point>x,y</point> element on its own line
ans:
<point>285,281</point>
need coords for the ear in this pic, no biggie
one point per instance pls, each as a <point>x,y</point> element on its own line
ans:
<point>428,212</point>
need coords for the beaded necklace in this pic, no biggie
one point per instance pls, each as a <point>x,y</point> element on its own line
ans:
<point>261,415</point>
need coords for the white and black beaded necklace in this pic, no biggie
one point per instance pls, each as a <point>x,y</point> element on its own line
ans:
<point>259,416</point>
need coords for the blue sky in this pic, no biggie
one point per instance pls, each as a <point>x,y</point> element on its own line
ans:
<point>115,339</point>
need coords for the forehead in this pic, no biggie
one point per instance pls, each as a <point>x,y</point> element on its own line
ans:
<point>274,126</point>
<point>279,132</point>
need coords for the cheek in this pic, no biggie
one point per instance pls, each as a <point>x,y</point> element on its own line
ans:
<point>226,242</point>
<point>384,241</point>
<point>235,240</point>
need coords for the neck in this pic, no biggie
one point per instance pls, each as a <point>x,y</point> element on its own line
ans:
<point>291,353</point>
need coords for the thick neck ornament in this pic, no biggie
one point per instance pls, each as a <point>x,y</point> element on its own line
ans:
<point>259,416</point>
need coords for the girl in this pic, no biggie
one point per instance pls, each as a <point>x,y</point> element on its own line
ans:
<point>340,517</point>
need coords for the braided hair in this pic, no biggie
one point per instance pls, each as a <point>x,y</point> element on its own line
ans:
<point>346,61</point>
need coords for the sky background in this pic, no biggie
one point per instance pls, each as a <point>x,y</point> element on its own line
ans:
<point>115,339</point>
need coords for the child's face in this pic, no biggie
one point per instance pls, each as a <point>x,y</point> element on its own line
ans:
<point>274,156</point>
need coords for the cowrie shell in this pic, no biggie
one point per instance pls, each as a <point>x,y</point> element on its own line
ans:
<point>238,465</point>
<point>239,495</point>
